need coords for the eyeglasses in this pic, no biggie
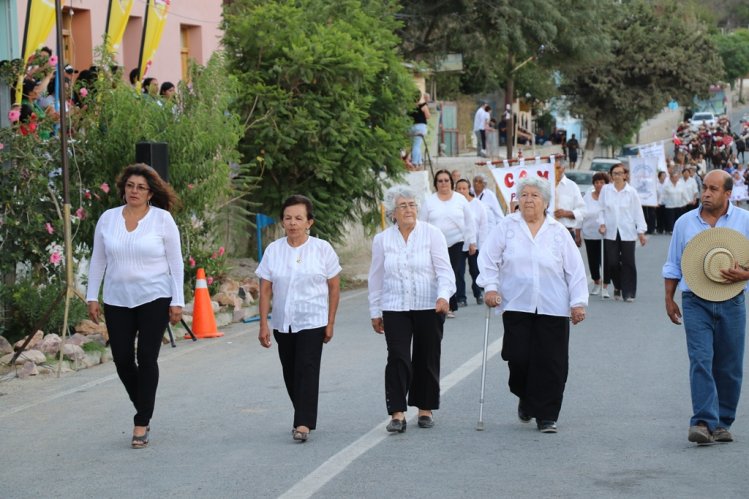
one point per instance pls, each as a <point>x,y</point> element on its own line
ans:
<point>618,174</point>
<point>442,180</point>
<point>405,206</point>
<point>136,187</point>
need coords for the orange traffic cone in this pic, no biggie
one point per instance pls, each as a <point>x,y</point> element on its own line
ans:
<point>203,321</point>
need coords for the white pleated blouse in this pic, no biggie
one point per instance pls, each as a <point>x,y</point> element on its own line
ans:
<point>139,266</point>
<point>300,282</point>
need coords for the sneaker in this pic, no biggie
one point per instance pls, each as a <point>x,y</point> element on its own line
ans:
<point>722,435</point>
<point>629,299</point>
<point>617,295</point>
<point>523,416</point>
<point>605,294</point>
<point>595,289</point>
<point>547,426</point>
<point>451,315</point>
<point>700,435</point>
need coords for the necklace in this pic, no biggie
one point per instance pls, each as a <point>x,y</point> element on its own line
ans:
<point>299,258</point>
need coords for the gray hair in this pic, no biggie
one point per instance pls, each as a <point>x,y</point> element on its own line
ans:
<point>481,177</point>
<point>540,183</point>
<point>393,194</point>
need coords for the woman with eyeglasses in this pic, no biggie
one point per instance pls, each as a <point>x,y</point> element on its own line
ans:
<point>622,223</point>
<point>410,283</point>
<point>137,252</point>
<point>449,212</point>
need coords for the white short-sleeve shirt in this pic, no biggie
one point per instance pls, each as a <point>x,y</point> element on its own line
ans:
<point>299,278</point>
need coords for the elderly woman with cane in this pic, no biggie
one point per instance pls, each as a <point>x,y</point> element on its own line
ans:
<point>531,268</point>
<point>410,283</point>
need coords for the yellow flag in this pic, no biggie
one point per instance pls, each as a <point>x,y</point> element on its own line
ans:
<point>40,17</point>
<point>117,17</point>
<point>153,27</point>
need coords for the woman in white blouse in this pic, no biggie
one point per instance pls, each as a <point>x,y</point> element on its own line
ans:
<point>301,273</point>
<point>481,219</point>
<point>622,223</point>
<point>137,251</point>
<point>674,197</point>
<point>532,269</point>
<point>410,283</point>
<point>593,239</point>
<point>449,212</point>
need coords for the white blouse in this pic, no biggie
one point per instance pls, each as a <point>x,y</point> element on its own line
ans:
<point>481,219</point>
<point>544,274</point>
<point>674,196</point>
<point>300,282</point>
<point>139,266</point>
<point>452,217</point>
<point>409,275</point>
<point>621,211</point>
<point>590,221</point>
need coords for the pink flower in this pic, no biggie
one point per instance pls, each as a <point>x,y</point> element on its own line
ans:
<point>209,280</point>
<point>53,60</point>
<point>50,229</point>
<point>55,258</point>
<point>192,262</point>
<point>104,187</point>
<point>87,194</point>
<point>83,91</point>
<point>214,255</point>
<point>14,115</point>
<point>2,146</point>
<point>80,213</point>
<point>191,186</point>
<point>221,251</point>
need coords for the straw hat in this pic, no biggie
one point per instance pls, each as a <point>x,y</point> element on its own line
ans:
<point>706,255</point>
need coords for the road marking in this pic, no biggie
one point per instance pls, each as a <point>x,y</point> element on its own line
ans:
<point>328,470</point>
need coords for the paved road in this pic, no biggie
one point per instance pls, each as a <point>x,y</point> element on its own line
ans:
<point>222,423</point>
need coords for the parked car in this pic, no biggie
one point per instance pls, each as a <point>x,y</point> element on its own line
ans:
<point>702,118</point>
<point>583,179</point>
<point>603,164</point>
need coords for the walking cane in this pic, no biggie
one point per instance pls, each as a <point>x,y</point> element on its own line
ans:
<point>480,424</point>
<point>603,266</point>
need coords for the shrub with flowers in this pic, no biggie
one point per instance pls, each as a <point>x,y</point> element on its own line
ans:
<point>215,266</point>
<point>202,136</point>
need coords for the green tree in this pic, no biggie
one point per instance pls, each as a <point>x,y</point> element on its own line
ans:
<point>324,95</point>
<point>734,50</point>
<point>660,51</point>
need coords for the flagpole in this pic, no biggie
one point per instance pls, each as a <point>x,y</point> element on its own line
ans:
<point>142,47</point>
<point>106,27</point>
<point>69,278</point>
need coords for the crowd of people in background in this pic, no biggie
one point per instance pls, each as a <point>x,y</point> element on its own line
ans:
<point>39,109</point>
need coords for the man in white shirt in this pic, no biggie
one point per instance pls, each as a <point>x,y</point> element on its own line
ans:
<point>569,204</point>
<point>489,199</point>
<point>480,124</point>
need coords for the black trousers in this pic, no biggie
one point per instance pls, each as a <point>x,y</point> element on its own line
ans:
<point>413,379</point>
<point>455,252</point>
<point>473,270</point>
<point>300,355</point>
<point>660,219</point>
<point>593,250</point>
<point>650,220</point>
<point>147,322</point>
<point>671,215</point>
<point>536,348</point>
<point>620,259</point>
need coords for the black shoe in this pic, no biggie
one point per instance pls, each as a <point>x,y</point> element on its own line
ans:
<point>426,422</point>
<point>462,303</point>
<point>396,426</point>
<point>479,300</point>
<point>547,426</point>
<point>523,416</point>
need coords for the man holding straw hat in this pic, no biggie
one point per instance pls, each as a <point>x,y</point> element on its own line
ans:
<point>708,260</point>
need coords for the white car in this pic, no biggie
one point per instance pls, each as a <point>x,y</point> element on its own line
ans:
<point>702,118</point>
